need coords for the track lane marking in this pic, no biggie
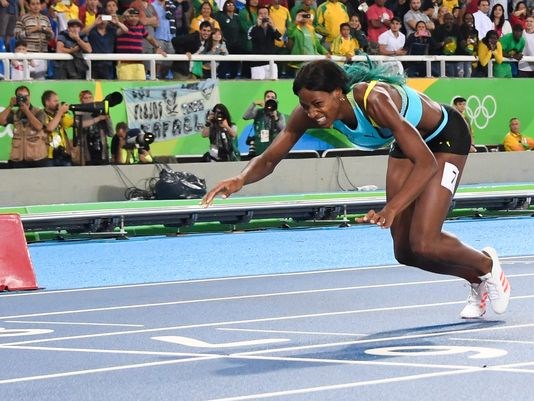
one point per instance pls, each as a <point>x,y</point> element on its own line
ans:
<point>243,297</point>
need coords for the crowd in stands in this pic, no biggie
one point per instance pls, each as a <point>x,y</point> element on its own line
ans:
<point>494,30</point>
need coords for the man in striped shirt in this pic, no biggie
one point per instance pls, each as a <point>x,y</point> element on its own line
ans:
<point>132,42</point>
<point>35,29</point>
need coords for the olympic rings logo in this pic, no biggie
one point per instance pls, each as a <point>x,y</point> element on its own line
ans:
<point>480,112</point>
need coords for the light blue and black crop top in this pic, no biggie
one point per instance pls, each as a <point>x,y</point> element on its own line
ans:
<point>369,136</point>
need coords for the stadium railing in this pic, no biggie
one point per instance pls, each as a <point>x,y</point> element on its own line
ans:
<point>269,59</point>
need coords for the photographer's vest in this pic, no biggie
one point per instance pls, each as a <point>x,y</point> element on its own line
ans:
<point>265,130</point>
<point>58,136</point>
<point>28,144</point>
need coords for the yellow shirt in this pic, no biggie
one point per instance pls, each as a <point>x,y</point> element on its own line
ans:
<point>330,16</point>
<point>517,142</point>
<point>450,4</point>
<point>344,47</point>
<point>195,24</point>
<point>281,19</point>
<point>71,12</point>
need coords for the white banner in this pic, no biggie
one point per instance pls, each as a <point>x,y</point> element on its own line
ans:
<point>171,111</point>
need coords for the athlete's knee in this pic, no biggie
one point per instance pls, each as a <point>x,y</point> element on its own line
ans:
<point>423,247</point>
<point>404,255</point>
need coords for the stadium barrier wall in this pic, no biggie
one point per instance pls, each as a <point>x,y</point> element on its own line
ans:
<point>56,185</point>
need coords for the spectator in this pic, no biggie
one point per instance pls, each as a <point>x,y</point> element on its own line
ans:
<point>131,41</point>
<point>118,153</point>
<point>450,4</point>
<point>56,124</point>
<point>358,33</point>
<point>92,139</point>
<point>459,104</point>
<point>330,15</point>
<point>483,23</point>
<point>149,18</point>
<point>512,47</point>
<point>206,11</point>
<point>102,37</point>
<point>216,46</point>
<point>221,132</point>
<point>307,6</point>
<point>442,11</point>
<point>514,140</point>
<point>520,14</point>
<point>181,15</point>
<point>29,145</point>
<point>72,42</point>
<point>189,44</point>
<point>446,38</point>
<point>526,69</point>
<point>66,10</point>
<point>268,122</point>
<point>9,13</point>
<point>88,12</point>
<point>35,29</point>
<point>247,19</point>
<point>228,20</point>
<point>379,20</point>
<point>111,8</point>
<point>302,38</point>
<point>414,15</point>
<point>418,43</point>
<point>392,43</point>
<point>489,48</point>
<point>164,33</point>
<point>17,66</point>
<point>197,6</point>
<point>468,45</point>
<point>281,19</point>
<point>263,36</point>
<point>500,25</point>
<point>344,44</point>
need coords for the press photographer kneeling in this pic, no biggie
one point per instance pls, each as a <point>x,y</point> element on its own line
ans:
<point>221,132</point>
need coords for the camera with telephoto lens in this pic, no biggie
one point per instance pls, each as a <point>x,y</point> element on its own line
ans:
<point>21,99</point>
<point>271,105</point>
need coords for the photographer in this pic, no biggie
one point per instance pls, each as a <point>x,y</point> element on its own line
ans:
<point>56,123</point>
<point>221,132</point>
<point>92,137</point>
<point>137,139</point>
<point>268,122</point>
<point>29,146</point>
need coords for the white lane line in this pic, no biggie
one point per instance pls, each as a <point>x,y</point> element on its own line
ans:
<point>194,343</point>
<point>240,357</point>
<point>492,341</point>
<point>102,370</point>
<point>104,351</point>
<point>242,297</point>
<point>207,280</point>
<point>218,279</point>
<point>232,298</point>
<point>314,333</point>
<point>74,323</point>
<point>232,322</point>
<point>383,339</point>
<point>342,386</point>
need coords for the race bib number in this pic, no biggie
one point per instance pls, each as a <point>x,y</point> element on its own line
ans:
<point>450,176</point>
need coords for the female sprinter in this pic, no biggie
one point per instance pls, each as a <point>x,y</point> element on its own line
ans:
<point>430,144</point>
